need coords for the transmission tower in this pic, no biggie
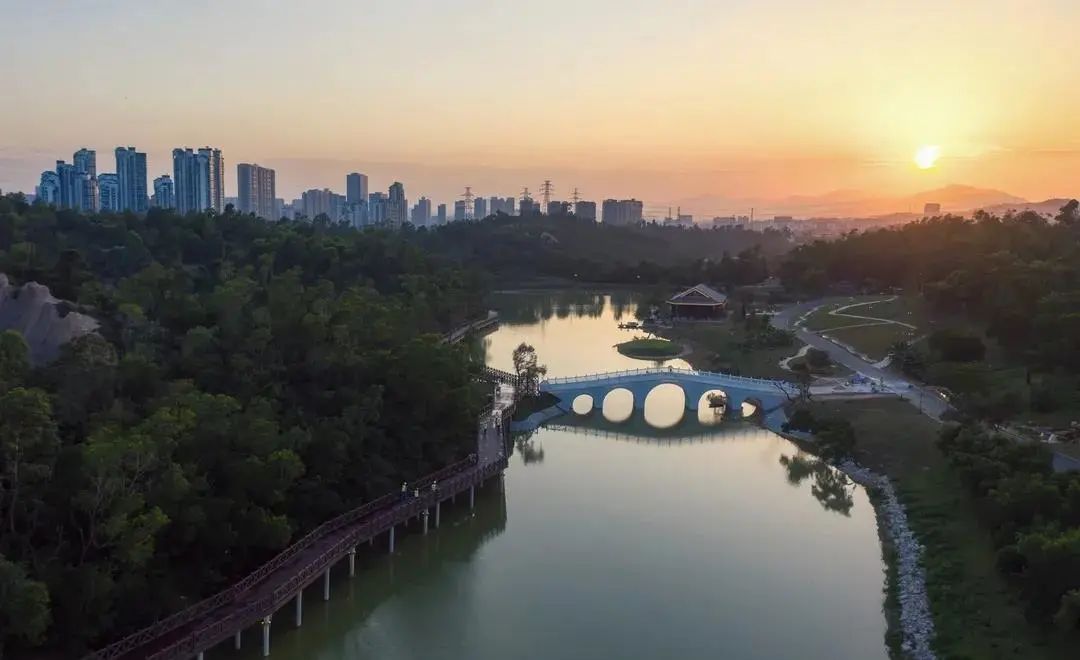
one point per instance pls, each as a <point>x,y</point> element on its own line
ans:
<point>468,197</point>
<point>545,191</point>
<point>525,194</point>
<point>576,197</point>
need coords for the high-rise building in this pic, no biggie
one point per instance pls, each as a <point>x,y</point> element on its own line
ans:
<point>85,160</point>
<point>199,180</point>
<point>558,208</point>
<point>931,208</point>
<point>356,188</point>
<point>131,177</point>
<point>623,212</point>
<point>48,190</point>
<point>440,217</point>
<point>164,192</point>
<point>460,210</point>
<point>326,202</point>
<point>378,209</point>
<point>399,206</point>
<point>529,207</point>
<point>480,208</point>
<point>109,192</point>
<point>585,210</point>
<point>421,212</point>
<point>255,190</point>
<point>216,171</point>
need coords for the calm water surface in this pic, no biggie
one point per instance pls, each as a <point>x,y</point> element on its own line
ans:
<point>610,538</point>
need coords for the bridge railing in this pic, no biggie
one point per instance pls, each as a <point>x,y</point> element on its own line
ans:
<point>650,371</point>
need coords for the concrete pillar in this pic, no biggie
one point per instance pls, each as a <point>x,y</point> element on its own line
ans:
<point>391,539</point>
<point>266,636</point>
<point>200,656</point>
<point>438,508</point>
<point>299,608</point>
<point>236,640</point>
<point>425,514</point>
<point>472,497</point>
<point>352,562</point>
<point>326,585</point>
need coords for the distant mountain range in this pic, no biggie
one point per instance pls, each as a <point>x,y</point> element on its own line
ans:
<point>957,199</point>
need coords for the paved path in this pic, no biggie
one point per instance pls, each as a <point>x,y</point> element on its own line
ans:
<point>928,399</point>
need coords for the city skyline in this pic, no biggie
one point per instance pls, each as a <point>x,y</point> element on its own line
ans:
<point>729,101</point>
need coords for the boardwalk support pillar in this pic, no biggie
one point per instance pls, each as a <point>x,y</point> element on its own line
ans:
<point>472,496</point>
<point>200,656</point>
<point>438,506</point>
<point>299,608</point>
<point>391,539</point>
<point>266,637</point>
<point>352,562</point>
<point>326,585</point>
<point>236,640</point>
<point>425,521</point>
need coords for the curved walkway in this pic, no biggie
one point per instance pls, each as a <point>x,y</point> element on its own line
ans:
<point>839,311</point>
<point>258,596</point>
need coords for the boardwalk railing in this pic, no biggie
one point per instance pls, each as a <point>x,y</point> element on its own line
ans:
<point>447,477</point>
<point>661,371</point>
<point>215,632</point>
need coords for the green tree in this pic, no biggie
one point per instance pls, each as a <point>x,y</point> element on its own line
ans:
<point>24,607</point>
<point>14,359</point>
<point>527,368</point>
<point>28,449</point>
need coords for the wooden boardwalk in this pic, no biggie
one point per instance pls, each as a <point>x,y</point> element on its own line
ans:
<point>258,596</point>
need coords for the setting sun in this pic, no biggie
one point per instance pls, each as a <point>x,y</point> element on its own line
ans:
<point>927,156</point>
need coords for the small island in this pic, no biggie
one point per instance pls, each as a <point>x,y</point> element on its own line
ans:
<point>650,349</point>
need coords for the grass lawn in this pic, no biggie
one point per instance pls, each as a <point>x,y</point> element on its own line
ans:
<point>650,349</point>
<point>873,340</point>
<point>716,347</point>
<point>976,612</point>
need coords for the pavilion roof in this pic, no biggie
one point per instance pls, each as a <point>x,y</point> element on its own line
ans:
<point>699,295</point>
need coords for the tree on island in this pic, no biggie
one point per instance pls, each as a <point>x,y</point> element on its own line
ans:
<point>529,372</point>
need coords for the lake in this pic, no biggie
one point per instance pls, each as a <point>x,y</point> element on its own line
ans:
<point>616,534</point>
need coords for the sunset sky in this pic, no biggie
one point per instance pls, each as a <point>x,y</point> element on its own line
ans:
<point>667,101</point>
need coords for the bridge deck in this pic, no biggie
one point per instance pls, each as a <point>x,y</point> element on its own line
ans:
<point>260,594</point>
<point>665,373</point>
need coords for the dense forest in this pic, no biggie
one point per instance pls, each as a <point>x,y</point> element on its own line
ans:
<point>1012,282</point>
<point>249,380</point>
<point>1018,276</point>
<point>568,248</point>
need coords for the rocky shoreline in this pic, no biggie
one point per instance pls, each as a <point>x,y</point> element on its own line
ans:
<point>916,623</point>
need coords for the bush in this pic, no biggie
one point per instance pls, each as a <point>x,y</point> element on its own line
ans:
<point>817,358</point>
<point>954,346</point>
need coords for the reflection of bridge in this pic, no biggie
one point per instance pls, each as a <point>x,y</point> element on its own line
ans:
<point>689,430</point>
<point>766,394</point>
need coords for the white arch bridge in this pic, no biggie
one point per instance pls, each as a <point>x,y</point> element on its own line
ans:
<point>767,395</point>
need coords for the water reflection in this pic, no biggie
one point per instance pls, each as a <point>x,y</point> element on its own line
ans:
<point>422,568</point>
<point>831,487</point>
<point>528,448</point>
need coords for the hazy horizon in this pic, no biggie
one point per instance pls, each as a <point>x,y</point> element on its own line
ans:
<point>735,104</point>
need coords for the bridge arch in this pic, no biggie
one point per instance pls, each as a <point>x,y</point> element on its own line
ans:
<point>618,404</point>
<point>583,404</point>
<point>708,413</point>
<point>664,404</point>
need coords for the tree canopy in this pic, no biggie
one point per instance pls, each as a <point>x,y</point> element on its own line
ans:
<point>250,380</point>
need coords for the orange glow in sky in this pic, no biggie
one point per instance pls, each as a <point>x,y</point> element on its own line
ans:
<point>723,101</point>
